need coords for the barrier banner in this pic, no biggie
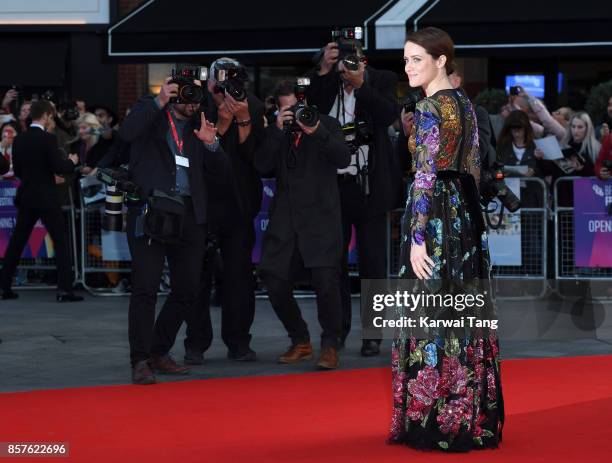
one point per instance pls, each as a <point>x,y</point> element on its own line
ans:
<point>592,224</point>
<point>40,245</point>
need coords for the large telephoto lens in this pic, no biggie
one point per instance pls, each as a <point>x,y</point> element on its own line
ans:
<point>113,210</point>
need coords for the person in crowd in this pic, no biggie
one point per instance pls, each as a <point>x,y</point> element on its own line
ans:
<point>603,129</point>
<point>444,244</point>
<point>580,150</point>
<point>563,115</point>
<point>8,132</point>
<point>23,119</point>
<point>603,165</point>
<point>8,100</point>
<point>171,150</point>
<point>36,161</point>
<point>305,229</point>
<point>515,146</point>
<point>234,204</point>
<point>93,143</point>
<point>369,185</point>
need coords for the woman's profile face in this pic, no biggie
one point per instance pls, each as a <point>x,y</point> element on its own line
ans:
<point>420,66</point>
<point>578,129</point>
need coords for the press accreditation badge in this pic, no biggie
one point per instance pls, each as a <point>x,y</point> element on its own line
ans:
<point>182,161</point>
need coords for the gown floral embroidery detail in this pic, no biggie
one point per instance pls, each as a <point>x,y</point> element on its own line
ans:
<point>446,388</point>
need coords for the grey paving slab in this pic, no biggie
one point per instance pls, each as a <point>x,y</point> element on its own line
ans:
<point>47,345</point>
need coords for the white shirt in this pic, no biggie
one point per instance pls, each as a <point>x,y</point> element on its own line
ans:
<point>37,125</point>
<point>518,152</point>
<point>361,157</point>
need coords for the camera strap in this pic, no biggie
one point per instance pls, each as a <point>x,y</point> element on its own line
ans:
<point>175,136</point>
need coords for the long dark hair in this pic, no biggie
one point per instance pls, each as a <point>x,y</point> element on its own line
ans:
<point>514,120</point>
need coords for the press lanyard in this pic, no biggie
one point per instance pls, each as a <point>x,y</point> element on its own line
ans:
<point>179,143</point>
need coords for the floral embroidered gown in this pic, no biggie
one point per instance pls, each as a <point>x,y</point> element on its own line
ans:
<point>446,384</point>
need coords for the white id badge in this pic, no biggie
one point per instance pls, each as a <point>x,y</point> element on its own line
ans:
<point>182,161</point>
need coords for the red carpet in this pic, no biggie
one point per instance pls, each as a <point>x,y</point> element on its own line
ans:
<point>558,410</point>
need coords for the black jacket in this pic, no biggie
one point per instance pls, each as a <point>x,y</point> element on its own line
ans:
<point>306,206</point>
<point>92,157</point>
<point>242,190</point>
<point>376,102</point>
<point>152,165</point>
<point>36,160</point>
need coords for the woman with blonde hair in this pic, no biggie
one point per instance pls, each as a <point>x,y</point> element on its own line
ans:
<point>89,146</point>
<point>581,137</point>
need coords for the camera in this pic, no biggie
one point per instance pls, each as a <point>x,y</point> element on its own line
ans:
<point>356,134</point>
<point>411,100</point>
<point>492,186</point>
<point>117,185</point>
<point>345,38</point>
<point>188,91</point>
<point>516,90</point>
<point>307,115</point>
<point>231,78</point>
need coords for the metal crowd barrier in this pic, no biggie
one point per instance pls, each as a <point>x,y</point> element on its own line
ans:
<point>530,275</point>
<point>39,263</point>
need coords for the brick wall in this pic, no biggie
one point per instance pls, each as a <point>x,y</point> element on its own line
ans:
<point>132,78</point>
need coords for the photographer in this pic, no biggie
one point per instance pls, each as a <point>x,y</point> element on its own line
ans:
<point>305,229</point>
<point>36,160</point>
<point>171,150</point>
<point>366,98</point>
<point>235,202</point>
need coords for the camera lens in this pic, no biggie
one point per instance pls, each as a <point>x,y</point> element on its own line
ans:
<point>307,116</point>
<point>191,93</point>
<point>351,62</point>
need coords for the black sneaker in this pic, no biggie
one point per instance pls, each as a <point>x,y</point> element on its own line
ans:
<point>247,355</point>
<point>193,357</point>
<point>8,294</point>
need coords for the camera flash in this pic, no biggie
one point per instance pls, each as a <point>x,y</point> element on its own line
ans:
<point>303,81</point>
<point>203,73</point>
<point>358,33</point>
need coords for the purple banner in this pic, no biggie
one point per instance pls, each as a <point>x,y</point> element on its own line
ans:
<point>39,245</point>
<point>592,224</point>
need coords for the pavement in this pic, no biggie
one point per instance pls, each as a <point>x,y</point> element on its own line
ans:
<point>46,345</point>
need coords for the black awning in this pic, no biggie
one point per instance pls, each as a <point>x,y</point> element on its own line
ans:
<point>182,28</point>
<point>520,24</point>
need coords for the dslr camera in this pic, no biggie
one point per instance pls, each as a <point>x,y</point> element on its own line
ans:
<point>188,91</point>
<point>492,186</point>
<point>345,38</point>
<point>231,78</point>
<point>307,115</point>
<point>356,134</point>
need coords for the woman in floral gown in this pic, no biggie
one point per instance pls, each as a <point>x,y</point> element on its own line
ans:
<point>446,381</point>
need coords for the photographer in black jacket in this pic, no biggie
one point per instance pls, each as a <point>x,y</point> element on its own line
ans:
<point>171,151</point>
<point>235,202</point>
<point>368,187</point>
<point>305,229</point>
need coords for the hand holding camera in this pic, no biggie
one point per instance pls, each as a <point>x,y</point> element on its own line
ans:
<point>309,130</point>
<point>238,108</point>
<point>329,59</point>
<point>284,117</point>
<point>168,90</point>
<point>9,97</point>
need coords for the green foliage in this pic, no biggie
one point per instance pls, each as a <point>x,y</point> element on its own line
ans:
<point>597,101</point>
<point>492,99</point>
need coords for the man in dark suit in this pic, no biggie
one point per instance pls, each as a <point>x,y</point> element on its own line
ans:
<point>305,229</point>
<point>171,150</point>
<point>369,186</point>
<point>36,161</point>
<point>234,204</point>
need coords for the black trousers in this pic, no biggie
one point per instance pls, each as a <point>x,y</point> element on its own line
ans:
<point>53,220</point>
<point>235,239</point>
<point>156,337</point>
<point>371,237</point>
<point>326,284</point>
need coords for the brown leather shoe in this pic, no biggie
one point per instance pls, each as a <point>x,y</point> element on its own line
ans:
<point>142,373</point>
<point>329,360</point>
<point>165,365</point>
<point>297,353</point>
